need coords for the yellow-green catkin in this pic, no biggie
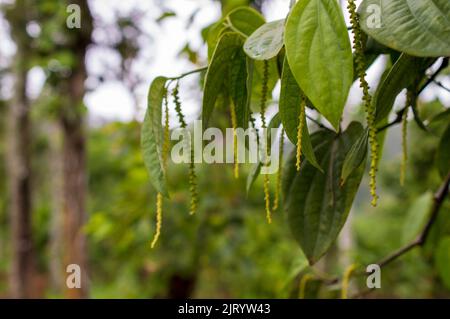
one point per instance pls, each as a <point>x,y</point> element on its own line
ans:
<point>367,98</point>
<point>192,174</point>
<point>346,280</point>
<point>235,146</point>
<point>263,102</point>
<point>301,123</point>
<point>276,200</point>
<point>302,290</point>
<point>409,101</point>
<point>158,219</point>
<point>165,152</point>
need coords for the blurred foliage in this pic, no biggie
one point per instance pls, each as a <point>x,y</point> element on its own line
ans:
<point>227,249</point>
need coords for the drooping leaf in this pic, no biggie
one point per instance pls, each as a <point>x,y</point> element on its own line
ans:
<point>213,36</point>
<point>245,20</point>
<point>402,74</point>
<point>443,153</point>
<point>151,135</point>
<point>442,259</point>
<point>253,175</point>
<point>356,156</point>
<point>317,204</point>
<point>266,42</point>
<point>289,109</point>
<point>238,87</point>
<point>228,48</point>
<point>419,28</point>
<point>441,116</point>
<point>417,217</point>
<point>320,55</point>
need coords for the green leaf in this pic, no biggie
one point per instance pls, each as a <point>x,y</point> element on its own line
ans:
<point>317,204</point>
<point>419,28</point>
<point>289,108</point>
<point>228,48</point>
<point>417,217</point>
<point>442,116</point>
<point>403,73</point>
<point>252,176</point>
<point>356,156</point>
<point>245,20</point>
<point>442,259</point>
<point>238,87</point>
<point>151,135</point>
<point>320,56</point>
<point>275,122</point>
<point>166,15</point>
<point>266,42</point>
<point>443,153</point>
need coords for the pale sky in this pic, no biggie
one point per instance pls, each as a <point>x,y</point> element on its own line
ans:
<point>112,100</point>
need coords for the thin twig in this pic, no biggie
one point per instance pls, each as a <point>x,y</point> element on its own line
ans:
<point>431,79</point>
<point>438,200</point>
<point>315,121</point>
<point>189,73</point>
<point>442,86</point>
<point>397,120</point>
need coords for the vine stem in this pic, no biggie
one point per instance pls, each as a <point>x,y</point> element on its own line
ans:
<point>431,79</point>
<point>438,199</point>
<point>189,73</point>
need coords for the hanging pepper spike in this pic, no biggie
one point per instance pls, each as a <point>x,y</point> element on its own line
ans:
<point>301,123</point>
<point>263,102</point>
<point>235,146</point>
<point>367,98</point>
<point>165,152</point>
<point>346,280</point>
<point>192,174</point>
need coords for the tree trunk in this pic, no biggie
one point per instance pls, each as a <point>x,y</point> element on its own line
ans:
<point>18,166</point>
<point>56,232</point>
<point>74,156</point>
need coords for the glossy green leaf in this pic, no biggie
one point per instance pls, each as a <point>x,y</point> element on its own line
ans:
<point>289,108</point>
<point>442,259</point>
<point>417,217</point>
<point>416,27</point>
<point>228,48</point>
<point>266,42</point>
<point>320,55</point>
<point>151,135</point>
<point>317,204</point>
<point>356,156</point>
<point>403,73</point>
<point>443,153</point>
<point>441,116</point>
<point>238,87</point>
<point>244,20</point>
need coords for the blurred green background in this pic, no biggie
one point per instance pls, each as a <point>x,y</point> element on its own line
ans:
<point>227,249</point>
